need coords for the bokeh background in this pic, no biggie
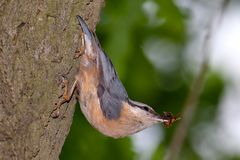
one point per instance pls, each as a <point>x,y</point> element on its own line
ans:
<point>157,48</point>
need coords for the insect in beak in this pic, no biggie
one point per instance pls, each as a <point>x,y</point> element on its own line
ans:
<point>168,118</point>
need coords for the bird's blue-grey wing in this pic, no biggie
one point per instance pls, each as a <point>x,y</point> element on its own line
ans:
<point>110,89</point>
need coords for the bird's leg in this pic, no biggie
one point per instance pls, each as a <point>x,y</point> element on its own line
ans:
<point>66,96</point>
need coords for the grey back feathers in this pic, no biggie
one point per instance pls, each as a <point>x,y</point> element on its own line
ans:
<point>110,79</point>
<point>111,92</point>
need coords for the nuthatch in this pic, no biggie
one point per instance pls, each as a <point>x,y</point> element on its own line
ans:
<point>103,99</point>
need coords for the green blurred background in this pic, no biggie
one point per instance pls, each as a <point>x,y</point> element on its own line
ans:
<point>147,41</point>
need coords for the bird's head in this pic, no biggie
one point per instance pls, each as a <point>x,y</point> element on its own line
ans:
<point>148,116</point>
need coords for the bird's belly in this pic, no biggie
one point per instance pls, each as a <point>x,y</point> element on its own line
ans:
<point>92,111</point>
<point>110,127</point>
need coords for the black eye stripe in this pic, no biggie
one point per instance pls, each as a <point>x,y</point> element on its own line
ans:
<point>148,109</point>
<point>141,106</point>
<point>145,108</point>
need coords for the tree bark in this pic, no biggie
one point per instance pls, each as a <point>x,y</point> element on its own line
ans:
<point>37,44</point>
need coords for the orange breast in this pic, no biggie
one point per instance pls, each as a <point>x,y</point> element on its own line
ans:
<point>120,127</point>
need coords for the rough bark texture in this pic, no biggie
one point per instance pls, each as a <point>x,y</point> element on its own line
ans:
<point>37,44</point>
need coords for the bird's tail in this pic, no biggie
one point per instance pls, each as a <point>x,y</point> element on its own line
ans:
<point>90,43</point>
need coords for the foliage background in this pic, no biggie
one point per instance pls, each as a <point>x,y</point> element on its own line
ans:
<point>147,41</point>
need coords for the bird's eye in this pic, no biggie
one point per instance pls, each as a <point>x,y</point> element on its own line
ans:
<point>146,108</point>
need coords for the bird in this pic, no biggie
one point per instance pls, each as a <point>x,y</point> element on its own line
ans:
<point>103,98</point>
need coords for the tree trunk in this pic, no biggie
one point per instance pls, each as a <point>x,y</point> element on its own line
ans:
<point>37,44</point>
